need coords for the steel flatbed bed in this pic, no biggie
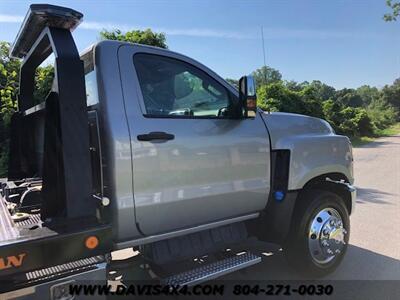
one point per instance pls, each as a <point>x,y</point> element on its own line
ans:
<point>29,245</point>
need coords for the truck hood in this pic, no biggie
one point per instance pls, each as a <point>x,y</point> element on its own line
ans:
<point>284,125</point>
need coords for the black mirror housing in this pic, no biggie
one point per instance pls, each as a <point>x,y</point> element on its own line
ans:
<point>247,96</point>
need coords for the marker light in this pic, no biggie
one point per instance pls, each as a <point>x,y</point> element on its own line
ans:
<point>91,242</point>
<point>279,195</point>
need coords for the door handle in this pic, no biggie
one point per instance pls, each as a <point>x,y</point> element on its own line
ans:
<point>155,136</point>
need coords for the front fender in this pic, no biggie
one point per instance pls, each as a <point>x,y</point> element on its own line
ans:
<point>314,155</point>
<point>315,149</point>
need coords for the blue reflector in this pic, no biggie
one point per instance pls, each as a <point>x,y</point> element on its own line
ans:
<point>279,195</point>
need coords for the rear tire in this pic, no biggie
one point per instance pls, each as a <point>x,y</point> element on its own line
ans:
<point>319,233</point>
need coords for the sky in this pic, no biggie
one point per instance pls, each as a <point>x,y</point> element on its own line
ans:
<point>344,43</point>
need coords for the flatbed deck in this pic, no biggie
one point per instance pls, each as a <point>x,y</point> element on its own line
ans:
<point>28,244</point>
<point>14,232</point>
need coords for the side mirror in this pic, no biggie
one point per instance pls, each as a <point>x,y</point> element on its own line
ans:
<point>247,96</point>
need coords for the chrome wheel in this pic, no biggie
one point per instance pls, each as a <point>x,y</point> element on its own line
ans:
<point>326,238</point>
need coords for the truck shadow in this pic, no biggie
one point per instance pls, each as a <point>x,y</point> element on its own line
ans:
<point>358,264</point>
<point>365,195</point>
<point>363,274</point>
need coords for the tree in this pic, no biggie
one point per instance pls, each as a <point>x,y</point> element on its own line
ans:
<point>266,75</point>
<point>145,37</point>
<point>322,91</point>
<point>43,82</point>
<point>331,111</point>
<point>276,97</point>
<point>368,94</point>
<point>348,121</point>
<point>395,11</point>
<point>9,80</point>
<point>381,113</point>
<point>391,94</point>
<point>295,86</point>
<point>312,101</point>
<point>349,97</point>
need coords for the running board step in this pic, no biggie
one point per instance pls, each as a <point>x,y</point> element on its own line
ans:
<point>213,270</point>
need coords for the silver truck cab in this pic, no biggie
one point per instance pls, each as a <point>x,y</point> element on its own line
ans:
<point>198,175</point>
<point>202,168</point>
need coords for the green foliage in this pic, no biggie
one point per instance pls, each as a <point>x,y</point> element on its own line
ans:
<point>362,123</point>
<point>266,75</point>
<point>321,90</point>
<point>9,79</point>
<point>43,82</point>
<point>348,121</point>
<point>353,112</point>
<point>312,101</point>
<point>391,94</point>
<point>395,10</point>
<point>145,37</point>
<point>277,97</point>
<point>368,94</point>
<point>331,111</point>
<point>382,114</point>
<point>349,97</point>
<point>294,85</point>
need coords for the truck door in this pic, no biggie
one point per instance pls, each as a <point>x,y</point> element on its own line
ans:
<point>193,162</point>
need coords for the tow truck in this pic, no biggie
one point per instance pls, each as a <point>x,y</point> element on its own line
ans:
<point>144,148</point>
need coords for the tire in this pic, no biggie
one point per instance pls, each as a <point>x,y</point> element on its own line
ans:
<point>316,243</point>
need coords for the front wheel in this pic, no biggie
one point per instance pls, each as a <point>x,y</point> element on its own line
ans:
<point>319,233</point>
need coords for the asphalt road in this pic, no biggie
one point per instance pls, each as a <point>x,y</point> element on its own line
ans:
<point>374,250</point>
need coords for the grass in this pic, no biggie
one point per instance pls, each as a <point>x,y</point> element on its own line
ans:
<point>357,141</point>
<point>390,131</point>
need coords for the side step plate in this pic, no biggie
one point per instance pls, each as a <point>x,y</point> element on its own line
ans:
<point>213,270</point>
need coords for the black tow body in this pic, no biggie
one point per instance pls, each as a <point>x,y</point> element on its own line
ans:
<point>65,166</point>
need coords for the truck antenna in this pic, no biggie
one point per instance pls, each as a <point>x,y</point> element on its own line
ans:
<point>263,47</point>
<point>263,44</point>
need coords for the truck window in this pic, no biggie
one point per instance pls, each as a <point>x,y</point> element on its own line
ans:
<point>173,88</point>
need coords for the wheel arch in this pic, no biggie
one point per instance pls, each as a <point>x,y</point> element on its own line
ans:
<point>321,183</point>
<point>275,221</point>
